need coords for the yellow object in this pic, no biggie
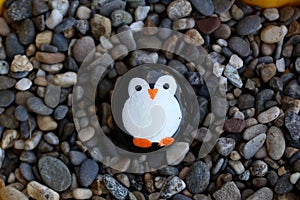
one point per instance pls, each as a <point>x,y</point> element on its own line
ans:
<point>272,3</point>
<point>1,6</point>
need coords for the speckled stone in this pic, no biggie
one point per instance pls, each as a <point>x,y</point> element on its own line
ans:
<point>116,189</point>
<point>228,191</point>
<point>179,9</point>
<point>198,177</point>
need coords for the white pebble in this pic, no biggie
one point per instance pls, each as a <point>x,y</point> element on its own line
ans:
<point>217,48</point>
<point>54,19</point>
<point>271,14</point>
<point>38,191</point>
<point>23,84</point>
<point>67,79</point>
<point>82,193</point>
<point>218,69</point>
<point>236,61</point>
<point>222,42</point>
<point>280,65</point>
<point>294,177</point>
<point>61,5</point>
<point>141,13</point>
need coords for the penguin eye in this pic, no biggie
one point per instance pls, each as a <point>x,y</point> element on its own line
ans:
<point>166,86</point>
<point>138,88</point>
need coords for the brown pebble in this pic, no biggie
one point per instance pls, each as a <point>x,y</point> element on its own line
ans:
<point>294,29</point>
<point>234,125</point>
<point>208,25</point>
<point>286,13</point>
<point>4,28</point>
<point>10,193</point>
<point>49,58</point>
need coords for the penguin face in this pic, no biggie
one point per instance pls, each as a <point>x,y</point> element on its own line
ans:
<point>164,85</point>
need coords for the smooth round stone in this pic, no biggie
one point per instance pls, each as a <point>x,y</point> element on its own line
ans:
<point>82,193</point>
<point>28,157</point>
<point>49,58</point>
<point>234,125</point>
<point>178,9</point>
<point>254,130</point>
<point>182,24</point>
<point>237,166</point>
<point>253,145</point>
<point>198,177</point>
<point>275,143</point>
<point>88,172</point>
<point>83,12</point>
<point>26,32</point>
<point>222,32</point>
<point>292,89</point>
<point>269,115</point>
<point>37,106</point>
<point>77,157</point>
<point>4,28</point>
<point>60,112</point>
<point>271,14</point>
<point>38,191</point>
<point>21,113</point>
<point>12,46</point>
<point>4,67</point>
<point>225,146</point>
<point>286,13</point>
<point>120,17</point>
<point>11,193</point>
<point>24,84</point>
<point>65,80</point>
<point>248,25</point>
<point>26,171</point>
<point>51,138</point>
<point>39,7</point>
<point>263,193</point>
<point>283,185</point>
<point>54,173</point>
<point>60,42</point>
<point>52,95</point>
<point>46,123</point>
<point>204,7</point>
<point>61,5</point>
<point>222,6</point>
<point>86,134</point>
<point>6,98</point>
<point>272,34</point>
<point>181,197</point>
<point>168,191</point>
<point>239,46</point>
<point>228,191</point>
<point>87,43</point>
<point>116,189</point>
<point>268,72</point>
<point>54,19</point>
<point>44,37</point>
<point>246,101</point>
<point>208,25</point>
<point>294,177</point>
<point>19,10</point>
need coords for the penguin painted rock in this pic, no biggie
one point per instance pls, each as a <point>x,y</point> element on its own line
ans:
<point>152,115</point>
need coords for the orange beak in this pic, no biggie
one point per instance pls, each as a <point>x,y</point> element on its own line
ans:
<point>152,93</point>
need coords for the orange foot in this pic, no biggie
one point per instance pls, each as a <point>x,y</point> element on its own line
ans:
<point>142,143</point>
<point>166,141</point>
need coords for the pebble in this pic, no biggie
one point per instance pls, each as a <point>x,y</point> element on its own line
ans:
<point>4,28</point>
<point>292,89</point>
<point>46,123</point>
<point>107,7</point>
<point>223,32</point>
<point>19,10</point>
<point>115,188</point>
<point>272,34</point>
<point>61,5</point>
<point>12,46</point>
<point>254,130</point>
<point>246,101</point>
<point>239,46</point>
<point>228,191</point>
<point>237,166</point>
<point>65,80</point>
<point>271,14</point>
<point>100,25</point>
<point>11,193</point>
<point>178,9</point>
<point>4,67</point>
<point>234,125</point>
<point>26,32</point>
<point>198,177</point>
<point>21,113</point>
<point>283,185</point>
<point>38,191</point>
<point>26,171</point>
<point>248,25</point>
<point>86,43</point>
<point>275,143</point>
<point>39,7</point>
<point>54,173</point>
<point>44,37</point>
<point>294,177</point>
<point>60,112</point>
<point>6,82</point>
<point>225,146</point>
<point>208,25</point>
<point>263,193</point>
<point>77,157</point>
<point>52,95</point>
<point>37,106</point>
<point>83,12</point>
<point>141,13</point>
<point>88,172</point>
<point>21,64</point>
<point>82,193</point>
<point>259,168</point>
<point>269,115</point>
<point>292,121</point>
<point>23,84</point>
<point>54,19</point>
<point>233,76</point>
<point>183,24</point>
<point>51,138</point>
<point>6,98</point>
<point>120,17</point>
<point>268,71</point>
<point>52,68</point>
<point>286,13</point>
<point>253,145</point>
<point>8,138</point>
<point>222,6</point>
<point>172,186</point>
<point>49,58</point>
<point>204,7</point>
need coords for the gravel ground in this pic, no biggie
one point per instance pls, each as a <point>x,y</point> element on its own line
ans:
<point>256,57</point>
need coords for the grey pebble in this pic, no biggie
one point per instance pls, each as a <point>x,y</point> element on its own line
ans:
<point>223,32</point>
<point>225,146</point>
<point>82,26</point>
<point>13,46</point>
<point>204,7</point>
<point>21,113</point>
<point>115,188</point>
<point>28,157</point>
<point>26,171</point>
<point>65,25</point>
<point>254,130</point>
<point>88,172</point>
<point>39,7</point>
<point>283,184</point>
<point>37,106</point>
<point>246,101</point>
<point>248,25</point>
<point>6,98</point>
<point>221,6</point>
<point>180,197</point>
<point>26,32</point>
<point>49,48</point>
<point>52,95</point>
<point>19,10</point>
<point>71,64</point>
<point>253,145</point>
<point>272,177</point>
<point>228,191</point>
<point>120,17</point>
<point>54,173</point>
<point>60,112</point>
<point>60,42</point>
<point>51,138</point>
<point>239,46</point>
<point>292,89</point>
<point>259,168</point>
<point>77,157</point>
<point>4,67</point>
<point>107,7</point>
<point>233,76</point>
<point>263,193</point>
<point>292,123</point>
<point>198,177</point>
<point>168,171</point>
<point>262,97</point>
